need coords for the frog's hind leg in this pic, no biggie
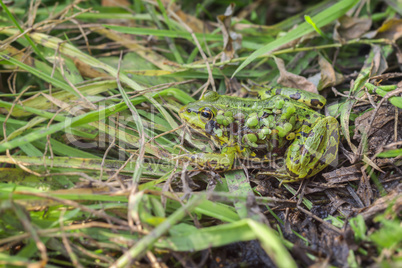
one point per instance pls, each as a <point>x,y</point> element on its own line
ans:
<point>221,161</point>
<point>313,149</point>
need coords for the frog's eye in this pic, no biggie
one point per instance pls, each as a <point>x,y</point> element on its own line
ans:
<point>207,114</point>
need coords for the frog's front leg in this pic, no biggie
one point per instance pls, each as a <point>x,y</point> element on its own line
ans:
<point>218,161</point>
<point>314,149</point>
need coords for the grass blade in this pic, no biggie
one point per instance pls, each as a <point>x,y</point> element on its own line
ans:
<point>321,19</point>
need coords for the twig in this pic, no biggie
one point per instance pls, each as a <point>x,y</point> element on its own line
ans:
<point>66,242</point>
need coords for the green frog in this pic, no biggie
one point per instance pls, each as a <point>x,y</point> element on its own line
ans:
<point>280,123</point>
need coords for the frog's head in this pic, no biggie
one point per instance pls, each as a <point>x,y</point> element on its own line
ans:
<point>197,114</point>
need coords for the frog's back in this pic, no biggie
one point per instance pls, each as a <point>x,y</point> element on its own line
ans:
<point>249,105</point>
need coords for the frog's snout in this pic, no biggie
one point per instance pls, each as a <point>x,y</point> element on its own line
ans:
<point>182,111</point>
<point>189,114</point>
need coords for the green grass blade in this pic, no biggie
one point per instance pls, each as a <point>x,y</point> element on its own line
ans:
<point>141,133</point>
<point>391,153</point>
<point>215,236</point>
<point>272,245</point>
<point>321,19</point>
<point>38,73</point>
<point>148,241</point>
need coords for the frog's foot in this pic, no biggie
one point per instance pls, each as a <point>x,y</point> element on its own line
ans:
<point>289,181</point>
<point>278,174</point>
<point>222,161</point>
<point>313,149</point>
<point>286,178</point>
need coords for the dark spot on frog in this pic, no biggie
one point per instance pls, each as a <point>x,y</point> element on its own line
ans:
<point>323,161</point>
<point>209,127</point>
<point>321,138</point>
<point>241,121</point>
<point>189,110</point>
<point>213,162</point>
<point>306,123</point>
<point>304,134</point>
<point>234,128</point>
<point>295,96</point>
<point>274,143</point>
<point>316,102</point>
<point>331,151</point>
<point>335,135</point>
<point>278,91</point>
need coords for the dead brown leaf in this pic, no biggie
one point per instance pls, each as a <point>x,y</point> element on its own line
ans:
<point>348,28</point>
<point>382,130</point>
<point>391,30</point>
<point>87,70</point>
<point>231,39</point>
<point>289,79</point>
<point>379,64</point>
<point>342,175</point>
<point>399,57</point>
<point>146,53</point>
<point>329,77</point>
<point>197,25</point>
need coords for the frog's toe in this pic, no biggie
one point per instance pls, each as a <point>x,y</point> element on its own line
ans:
<point>289,181</point>
<point>209,160</point>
